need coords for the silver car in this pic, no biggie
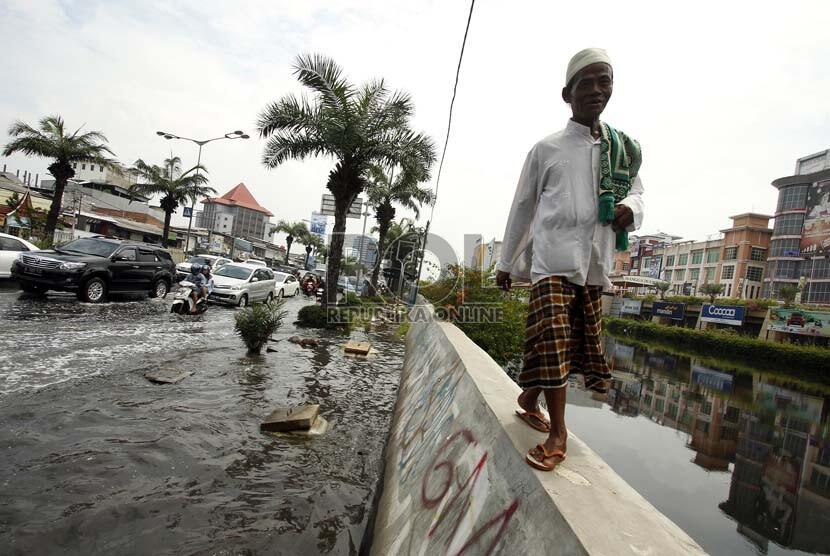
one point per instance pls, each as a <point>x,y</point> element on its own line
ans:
<point>241,284</point>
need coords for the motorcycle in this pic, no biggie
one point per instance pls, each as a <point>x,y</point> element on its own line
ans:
<point>309,289</point>
<point>183,302</point>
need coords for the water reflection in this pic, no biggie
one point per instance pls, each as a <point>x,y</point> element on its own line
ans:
<point>772,434</point>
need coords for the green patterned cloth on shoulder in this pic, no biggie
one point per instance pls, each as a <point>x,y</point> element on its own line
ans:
<point>620,159</point>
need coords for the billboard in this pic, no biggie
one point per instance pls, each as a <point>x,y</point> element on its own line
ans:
<point>797,321</point>
<point>815,239</point>
<point>318,224</point>
<point>674,311</point>
<point>723,314</point>
<point>327,206</point>
<point>631,306</point>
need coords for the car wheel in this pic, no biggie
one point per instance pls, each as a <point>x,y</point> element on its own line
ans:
<point>94,290</point>
<point>160,289</point>
<point>270,298</point>
<point>243,301</point>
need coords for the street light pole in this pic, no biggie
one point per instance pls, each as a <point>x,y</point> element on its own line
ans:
<point>230,135</point>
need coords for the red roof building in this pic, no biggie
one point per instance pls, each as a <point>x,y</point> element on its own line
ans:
<point>247,218</point>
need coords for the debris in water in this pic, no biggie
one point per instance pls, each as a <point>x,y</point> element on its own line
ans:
<point>358,348</point>
<point>305,342</point>
<point>165,376</point>
<point>291,418</point>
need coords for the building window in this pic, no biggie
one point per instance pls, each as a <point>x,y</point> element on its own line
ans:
<point>788,225</point>
<point>712,255</point>
<point>786,269</point>
<point>816,269</point>
<point>758,254</point>
<point>668,276</point>
<point>754,273</point>
<point>785,248</point>
<point>683,259</point>
<point>817,292</point>
<point>92,167</point>
<point>670,260</point>
<point>697,256</point>
<point>729,290</point>
<point>626,266</point>
<point>727,273</point>
<point>694,275</point>
<point>730,253</point>
<point>101,169</point>
<point>710,274</point>
<point>75,165</point>
<point>793,197</point>
<point>83,166</point>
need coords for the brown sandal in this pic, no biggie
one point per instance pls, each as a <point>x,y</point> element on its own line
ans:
<point>534,420</point>
<point>540,465</point>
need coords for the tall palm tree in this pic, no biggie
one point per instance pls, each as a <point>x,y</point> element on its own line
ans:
<point>357,126</point>
<point>312,242</point>
<point>296,231</point>
<point>51,140</point>
<point>174,186</point>
<point>404,190</point>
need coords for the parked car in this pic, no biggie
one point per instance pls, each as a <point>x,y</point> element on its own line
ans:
<point>95,267</point>
<point>347,284</point>
<point>242,283</point>
<point>10,248</point>
<point>257,262</point>
<point>183,269</point>
<point>286,284</point>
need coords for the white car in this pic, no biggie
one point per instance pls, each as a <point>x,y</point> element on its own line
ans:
<point>256,262</point>
<point>10,248</point>
<point>241,284</point>
<point>183,269</point>
<point>286,285</point>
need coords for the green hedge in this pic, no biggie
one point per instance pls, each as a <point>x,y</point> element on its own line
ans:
<point>805,361</point>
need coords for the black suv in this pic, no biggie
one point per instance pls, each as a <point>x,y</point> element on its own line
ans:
<point>93,267</point>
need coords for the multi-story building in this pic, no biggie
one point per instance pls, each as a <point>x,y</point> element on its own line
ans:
<point>641,254</point>
<point>800,245</point>
<point>744,256</point>
<point>687,265</point>
<point>248,219</point>
<point>97,173</point>
<point>485,255</point>
<point>365,250</point>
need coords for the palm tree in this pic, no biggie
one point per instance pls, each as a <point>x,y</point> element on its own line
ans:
<point>52,141</point>
<point>403,190</point>
<point>357,126</point>
<point>312,242</point>
<point>174,186</point>
<point>712,290</point>
<point>402,238</point>
<point>295,230</point>
<point>662,287</point>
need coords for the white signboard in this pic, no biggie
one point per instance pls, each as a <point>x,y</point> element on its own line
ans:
<point>327,207</point>
<point>319,222</point>
<point>631,306</point>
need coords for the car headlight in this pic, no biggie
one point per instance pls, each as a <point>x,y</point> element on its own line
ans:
<point>71,266</point>
<point>236,287</point>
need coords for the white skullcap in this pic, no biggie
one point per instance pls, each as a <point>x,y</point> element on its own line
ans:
<point>585,58</point>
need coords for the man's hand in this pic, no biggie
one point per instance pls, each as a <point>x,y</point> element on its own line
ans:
<point>623,218</point>
<point>503,280</point>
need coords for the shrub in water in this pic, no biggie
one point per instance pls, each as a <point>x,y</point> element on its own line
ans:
<point>313,316</point>
<point>256,323</point>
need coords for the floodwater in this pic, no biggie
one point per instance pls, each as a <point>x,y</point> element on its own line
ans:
<point>739,460</point>
<point>94,459</point>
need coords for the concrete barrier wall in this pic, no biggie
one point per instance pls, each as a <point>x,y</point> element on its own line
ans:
<point>456,481</point>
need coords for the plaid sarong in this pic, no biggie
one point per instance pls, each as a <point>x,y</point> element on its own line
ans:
<point>562,336</point>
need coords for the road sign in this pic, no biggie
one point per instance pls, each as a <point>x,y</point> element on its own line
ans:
<point>188,212</point>
<point>327,206</point>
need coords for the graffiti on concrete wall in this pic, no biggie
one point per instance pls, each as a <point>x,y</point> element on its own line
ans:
<point>442,479</point>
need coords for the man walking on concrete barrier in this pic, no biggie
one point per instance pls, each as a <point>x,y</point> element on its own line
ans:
<point>578,197</point>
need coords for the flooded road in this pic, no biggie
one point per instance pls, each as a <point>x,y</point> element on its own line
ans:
<point>94,459</point>
<point>739,459</point>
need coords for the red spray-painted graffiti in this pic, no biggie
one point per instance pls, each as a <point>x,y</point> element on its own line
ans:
<point>457,505</point>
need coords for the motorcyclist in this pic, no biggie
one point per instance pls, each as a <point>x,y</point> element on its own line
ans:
<point>199,283</point>
<point>208,280</point>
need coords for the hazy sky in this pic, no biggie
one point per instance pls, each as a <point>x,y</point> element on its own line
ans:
<point>723,96</point>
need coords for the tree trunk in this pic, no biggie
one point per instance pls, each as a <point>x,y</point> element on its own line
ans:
<point>383,229</point>
<point>307,255</point>
<point>288,241</point>
<point>166,232</point>
<point>335,252</point>
<point>62,173</point>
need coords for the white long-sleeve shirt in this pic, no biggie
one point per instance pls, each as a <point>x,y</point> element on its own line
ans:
<point>554,228</point>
